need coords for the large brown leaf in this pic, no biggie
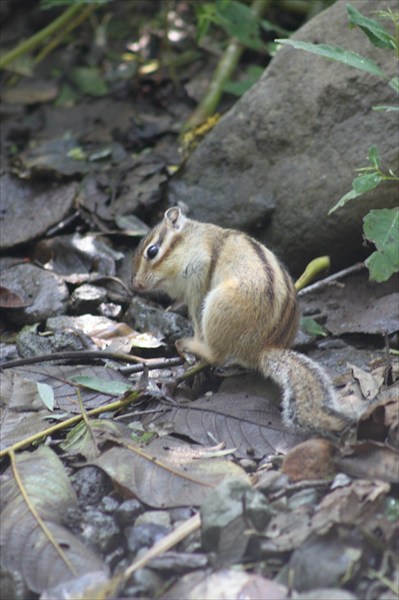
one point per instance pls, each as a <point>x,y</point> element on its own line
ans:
<point>167,472</point>
<point>246,422</point>
<point>25,546</point>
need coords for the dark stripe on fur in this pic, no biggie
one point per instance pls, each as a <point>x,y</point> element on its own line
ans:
<point>175,242</point>
<point>259,250</point>
<point>287,321</point>
<point>217,244</point>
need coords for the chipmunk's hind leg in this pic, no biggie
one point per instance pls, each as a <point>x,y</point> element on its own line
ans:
<point>225,326</point>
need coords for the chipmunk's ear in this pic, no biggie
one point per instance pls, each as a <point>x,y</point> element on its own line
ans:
<point>173,217</point>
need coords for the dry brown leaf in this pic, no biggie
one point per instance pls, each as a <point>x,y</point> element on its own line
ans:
<point>370,384</point>
<point>42,205</point>
<point>352,504</point>
<point>313,459</point>
<point>165,473</point>
<point>247,422</point>
<point>65,397</point>
<point>287,531</point>
<point>371,461</point>
<point>9,299</point>
<point>22,411</point>
<point>25,545</point>
<point>380,421</point>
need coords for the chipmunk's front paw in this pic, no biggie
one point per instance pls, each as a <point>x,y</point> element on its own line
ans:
<point>183,348</point>
<point>194,346</point>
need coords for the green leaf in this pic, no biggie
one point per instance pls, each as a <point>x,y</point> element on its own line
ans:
<point>80,441</point>
<point>46,394</point>
<point>238,88</point>
<point>385,107</point>
<point>365,183</point>
<point>376,33</point>
<point>382,228</point>
<point>347,57</point>
<point>312,327</point>
<point>374,157</point>
<point>342,201</point>
<point>113,388</point>
<point>394,84</point>
<point>360,185</point>
<point>77,153</point>
<point>239,22</point>
<point>89,81</point>
<point>205,14</point>
<point>270,26</point>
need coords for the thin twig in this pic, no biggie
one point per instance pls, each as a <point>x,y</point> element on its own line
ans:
<point>332,278</point>
<point>110,588</point>
<point>192,371</point>
<point>223,72</point>
<point>57,40</point>
<point>73,355</point>
<point>40,36</point>
<point>150,363</point>
<point>300,485</point>
<point>170,540</point>
<point>153,363</point>
<point>71,421</point>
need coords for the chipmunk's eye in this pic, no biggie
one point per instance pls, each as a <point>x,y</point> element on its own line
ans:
<point>152,251</point>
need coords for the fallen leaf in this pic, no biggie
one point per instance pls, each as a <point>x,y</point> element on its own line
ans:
<point>166,472</point>
<point>22,411</point>
<point>313,459</point>
<point>381,418</point>
<point>41,204</point>
<point>371,461</point>
<point>247,422</point>
<point>25,545</point>
<point>9,299</point>
<point>370,384</point>
<point>31,91</point>
<point>358,306</point>
<point>76,257</point>
<point>61,380</point>
<point>352,504</point>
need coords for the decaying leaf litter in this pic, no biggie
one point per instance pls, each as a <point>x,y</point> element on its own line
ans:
<point>143,485</point>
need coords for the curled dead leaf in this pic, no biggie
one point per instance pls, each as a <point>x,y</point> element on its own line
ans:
<point>313,459</point>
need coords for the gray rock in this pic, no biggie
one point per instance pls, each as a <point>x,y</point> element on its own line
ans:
<point>144,536</point>
<point>128,511</point>
<point>225,515</point>
<point>100,530</point>
<point>293,141</point>
<point>30,343</point>
<point>91,485</point>
<point>147,317</point>
<point>86,298</point>
<point>46,292</point>
<point>321,562</point>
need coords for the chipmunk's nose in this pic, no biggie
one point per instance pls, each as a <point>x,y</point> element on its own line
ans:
<point>137,287</point>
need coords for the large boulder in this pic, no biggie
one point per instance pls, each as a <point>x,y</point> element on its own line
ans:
<point>286,152</point>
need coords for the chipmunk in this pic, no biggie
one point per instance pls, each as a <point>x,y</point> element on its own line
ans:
<point>243,306</point>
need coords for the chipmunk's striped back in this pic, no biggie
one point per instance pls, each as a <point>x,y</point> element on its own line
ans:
<point>243,306</point>
<point>189,260</point>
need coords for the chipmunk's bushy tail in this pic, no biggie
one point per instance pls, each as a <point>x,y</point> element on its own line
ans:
<point>309,401</point>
